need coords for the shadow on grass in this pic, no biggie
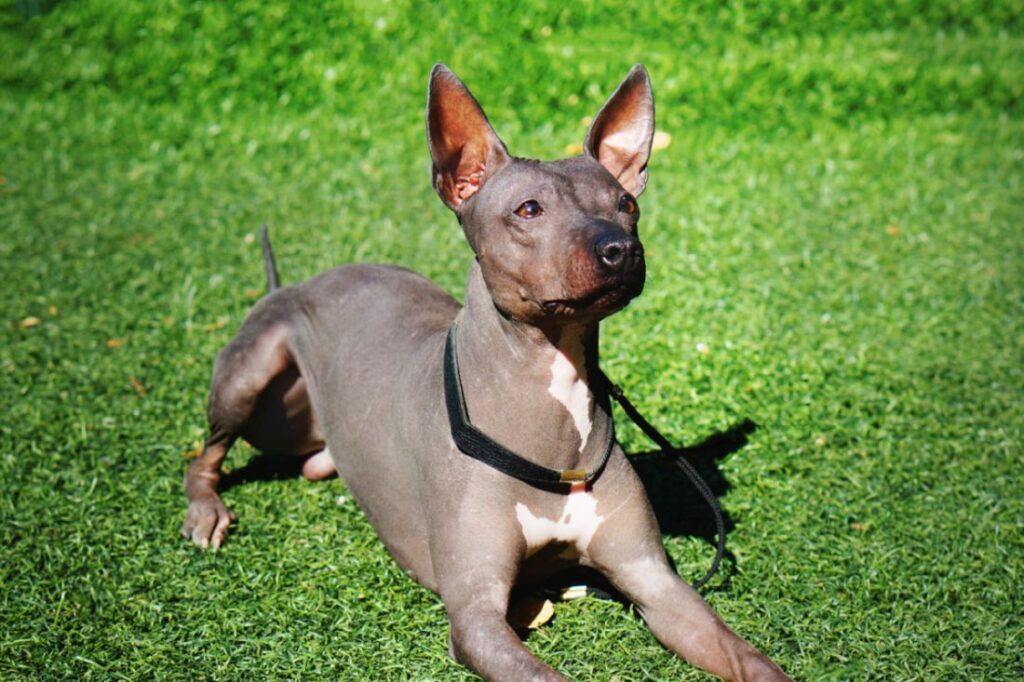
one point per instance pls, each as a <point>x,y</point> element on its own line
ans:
<point>680,509</point>
<point>264,466</point>
<point>678,505</point>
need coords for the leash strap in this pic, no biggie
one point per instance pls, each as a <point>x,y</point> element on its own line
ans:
<point>698,481</point>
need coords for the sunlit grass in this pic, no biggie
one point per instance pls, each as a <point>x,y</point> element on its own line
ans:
<point>835,252</point>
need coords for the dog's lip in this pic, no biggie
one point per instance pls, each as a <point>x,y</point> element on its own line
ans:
<point>558,305</point>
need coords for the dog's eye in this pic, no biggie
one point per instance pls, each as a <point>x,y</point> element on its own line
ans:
<point>627,204</point>
<point>529,209</point>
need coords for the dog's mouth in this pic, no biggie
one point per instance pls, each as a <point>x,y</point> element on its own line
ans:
<point>606,298</point>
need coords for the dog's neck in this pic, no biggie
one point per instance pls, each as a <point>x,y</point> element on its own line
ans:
<point>532,388</point>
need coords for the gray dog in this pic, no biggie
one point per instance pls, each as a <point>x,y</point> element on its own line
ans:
<point>477,439</point>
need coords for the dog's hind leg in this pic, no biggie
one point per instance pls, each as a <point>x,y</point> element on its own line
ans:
<point>256,392</point>
<point>319,466</point>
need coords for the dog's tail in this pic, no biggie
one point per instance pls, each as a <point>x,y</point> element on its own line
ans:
<point>273,279</point>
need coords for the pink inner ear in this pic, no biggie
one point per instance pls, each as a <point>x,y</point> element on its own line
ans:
<point>619,152</point>
<point>467,185</point>
<point>620,138</point>
<point>463,146</point>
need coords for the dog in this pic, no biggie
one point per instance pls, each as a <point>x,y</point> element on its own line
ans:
<point>477,439</point>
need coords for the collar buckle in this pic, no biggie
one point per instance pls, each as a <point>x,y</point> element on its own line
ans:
<point>573,476</point>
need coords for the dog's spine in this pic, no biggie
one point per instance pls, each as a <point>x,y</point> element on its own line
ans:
<point>273,279</point>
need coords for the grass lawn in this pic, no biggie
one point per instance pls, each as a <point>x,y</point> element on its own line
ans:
<point>836,253</point>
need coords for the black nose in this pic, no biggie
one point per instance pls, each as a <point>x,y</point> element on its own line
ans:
<point>619,253</point>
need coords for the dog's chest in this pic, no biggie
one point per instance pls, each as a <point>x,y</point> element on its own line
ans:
<point>574,527</point>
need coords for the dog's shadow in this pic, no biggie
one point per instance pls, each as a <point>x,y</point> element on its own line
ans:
<point>263,466</point>
<point>680,509</point>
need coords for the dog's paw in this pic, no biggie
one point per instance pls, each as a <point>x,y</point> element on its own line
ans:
<point>207,521</point>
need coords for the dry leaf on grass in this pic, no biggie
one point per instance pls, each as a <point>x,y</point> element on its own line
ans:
<point>138,386</point>
<point>530,613</point>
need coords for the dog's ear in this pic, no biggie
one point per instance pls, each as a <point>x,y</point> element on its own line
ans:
<point>463,147</point>
<point>620,136</point>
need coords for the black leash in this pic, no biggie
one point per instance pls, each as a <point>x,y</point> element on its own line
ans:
<point>698,482</point>
<point>478,445</point>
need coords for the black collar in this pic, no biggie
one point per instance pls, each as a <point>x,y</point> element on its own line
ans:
<point>478,445</point>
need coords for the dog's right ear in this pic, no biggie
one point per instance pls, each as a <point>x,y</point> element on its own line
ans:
<point>464,148</point>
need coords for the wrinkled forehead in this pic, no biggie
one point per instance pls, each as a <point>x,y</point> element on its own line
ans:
<point>579,181</point>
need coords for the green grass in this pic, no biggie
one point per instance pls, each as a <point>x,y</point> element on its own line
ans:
<point>837,220</point>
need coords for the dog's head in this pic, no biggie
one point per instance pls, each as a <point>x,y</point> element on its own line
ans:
<point>556,240</point>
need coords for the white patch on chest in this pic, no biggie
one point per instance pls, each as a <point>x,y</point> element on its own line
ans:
<point>576,526</point>
<point>571,390</point>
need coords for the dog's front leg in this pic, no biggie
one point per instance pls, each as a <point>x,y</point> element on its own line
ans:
<point>629,552</point>
<point>686,624</point>
<point>482,639</point>
<point>476,561</point>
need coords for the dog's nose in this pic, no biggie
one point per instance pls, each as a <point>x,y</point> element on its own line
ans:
<point>619,253</point>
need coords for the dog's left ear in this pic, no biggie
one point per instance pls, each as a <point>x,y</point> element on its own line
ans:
<point>620,136</point>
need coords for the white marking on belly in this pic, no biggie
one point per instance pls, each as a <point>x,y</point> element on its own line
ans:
<point>577,525</point>
<point>570,389</point>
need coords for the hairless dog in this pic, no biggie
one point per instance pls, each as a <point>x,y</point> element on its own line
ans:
<point>377,373</point>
